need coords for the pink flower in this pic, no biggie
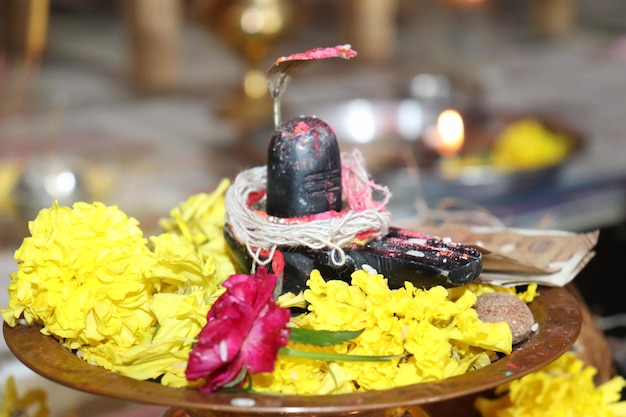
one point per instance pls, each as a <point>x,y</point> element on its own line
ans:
<point>244,331</point>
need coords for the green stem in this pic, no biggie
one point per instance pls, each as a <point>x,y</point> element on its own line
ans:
<point>335,356</point>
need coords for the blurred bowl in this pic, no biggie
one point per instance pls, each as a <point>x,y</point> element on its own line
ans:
<point>483,180</point>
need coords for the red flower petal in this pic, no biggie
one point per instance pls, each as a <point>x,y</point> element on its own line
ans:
<point>245,328</point>
<point>254,290</point>
<point>268,334</point>
<point>218,345</point>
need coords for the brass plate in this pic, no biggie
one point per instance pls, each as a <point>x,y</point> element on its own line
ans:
<point>555,310</point>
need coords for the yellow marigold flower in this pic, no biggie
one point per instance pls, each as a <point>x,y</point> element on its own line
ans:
<point>165,351</point>
<point>134,306</point>
<point>433,335</point>
<point>289,300</point>
<point>181,268</point>
<point>200,220</point>
<point>305,377</point>
<point>473,332</point>
<point>561,389</point>
<point>527,295</point>
<point>82,275</point>
<point>201,217</point>
<point>191,263</point>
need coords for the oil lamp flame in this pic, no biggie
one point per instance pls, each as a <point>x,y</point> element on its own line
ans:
<point>450,133</point>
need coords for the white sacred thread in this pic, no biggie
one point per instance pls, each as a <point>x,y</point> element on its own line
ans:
<point>259,231</point>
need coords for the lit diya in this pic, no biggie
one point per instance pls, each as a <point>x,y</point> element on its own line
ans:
<point>315,207</point>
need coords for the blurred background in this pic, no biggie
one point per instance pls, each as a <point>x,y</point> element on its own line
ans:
<point>141,103</point>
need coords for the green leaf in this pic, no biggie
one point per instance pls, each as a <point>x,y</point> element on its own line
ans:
<point>321,337</point>
<point>335,356</point>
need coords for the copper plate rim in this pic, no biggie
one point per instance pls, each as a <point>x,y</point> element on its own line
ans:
<point>556,312</point>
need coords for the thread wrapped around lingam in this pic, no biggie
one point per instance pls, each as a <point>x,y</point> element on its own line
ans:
<point>315,207</point>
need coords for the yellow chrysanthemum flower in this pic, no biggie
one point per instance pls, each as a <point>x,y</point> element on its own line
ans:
<point>434,335</point>
<point>563,388</point>
<point>163,353</point>
<point>83,274</point>
<point>527,295</point>
<point>305,376</point>
<point>129,304</point>
<point>200,220</point>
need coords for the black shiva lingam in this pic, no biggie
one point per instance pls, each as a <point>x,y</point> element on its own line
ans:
<point>313,207</point>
